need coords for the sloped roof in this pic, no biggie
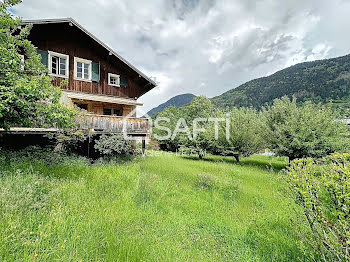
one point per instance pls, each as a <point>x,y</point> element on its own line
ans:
<point>73,22</point>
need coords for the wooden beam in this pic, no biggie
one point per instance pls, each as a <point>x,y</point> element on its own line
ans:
<point>143,146</point>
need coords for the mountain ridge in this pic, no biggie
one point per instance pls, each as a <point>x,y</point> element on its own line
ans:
<point>319,81</point>
<point>177,101</point>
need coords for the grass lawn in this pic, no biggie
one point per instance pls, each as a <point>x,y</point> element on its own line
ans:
<point>162,208</point>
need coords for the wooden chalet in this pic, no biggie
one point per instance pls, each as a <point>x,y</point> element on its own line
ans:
<point>97,79</point>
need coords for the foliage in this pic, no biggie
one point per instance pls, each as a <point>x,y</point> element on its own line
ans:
<point>173,114</point>
<point>113,145</point>
<point>245,127</point>
<point>27,96</point>
<point>322,189</point>
<point>159,209</point>
<point>318,81</point>
<point>307,130</point>
<point>68,140</point>
<point>35,154</point>
<point>173,117</point>
<point>201,141</point>
<point>245,133</point>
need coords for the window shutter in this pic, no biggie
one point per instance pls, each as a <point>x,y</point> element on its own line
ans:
<point>95,69</point>
<point>44,57</point>
<point>123,81</point>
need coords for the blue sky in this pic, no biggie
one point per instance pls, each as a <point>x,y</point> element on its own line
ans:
<point>207,47</point>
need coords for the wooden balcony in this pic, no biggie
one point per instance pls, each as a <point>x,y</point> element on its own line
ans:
<point>115,124</point>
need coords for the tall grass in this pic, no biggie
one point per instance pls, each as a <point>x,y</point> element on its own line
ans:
<point>162,208</point>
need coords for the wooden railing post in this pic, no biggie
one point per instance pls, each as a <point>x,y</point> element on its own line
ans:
<point>143,146</point>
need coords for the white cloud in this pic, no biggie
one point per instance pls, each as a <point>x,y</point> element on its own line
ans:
<point>207,46</point>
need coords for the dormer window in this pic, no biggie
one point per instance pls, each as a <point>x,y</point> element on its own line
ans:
<point>58,64</point>
<point>82,69</point>
<point>113,80</point>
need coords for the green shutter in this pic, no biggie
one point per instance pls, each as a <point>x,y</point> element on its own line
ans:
<point>123,81</point>
<point>95,68</point>
<point>44,57</point>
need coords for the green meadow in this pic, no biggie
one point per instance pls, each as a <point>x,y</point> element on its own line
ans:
<point>161,208</point>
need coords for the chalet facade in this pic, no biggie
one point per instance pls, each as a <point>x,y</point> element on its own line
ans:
<point>93,76</point>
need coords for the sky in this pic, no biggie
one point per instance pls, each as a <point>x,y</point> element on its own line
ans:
<point>207,47</point>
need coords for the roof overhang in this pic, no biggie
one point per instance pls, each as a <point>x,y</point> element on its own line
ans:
<point>28,130</point>
<point>102,98</point>
<point>72,22</point>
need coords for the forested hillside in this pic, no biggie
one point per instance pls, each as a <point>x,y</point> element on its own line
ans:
<point>319,81</point>
<point>177,101</point>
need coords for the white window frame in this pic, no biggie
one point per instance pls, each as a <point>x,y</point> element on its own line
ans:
<point>84,61</point>
<point>59,55</point>
<point>116,76</point>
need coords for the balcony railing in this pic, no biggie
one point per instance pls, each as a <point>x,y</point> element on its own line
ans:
<point>115,124</point>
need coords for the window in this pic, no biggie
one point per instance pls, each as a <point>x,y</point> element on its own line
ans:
<point>81,106</point>
<point>58,64</point>
<point>117,112</point>
<point>112,111</point>
<point>113,80</point>
<point>107,111</point>
<point>82,69</point>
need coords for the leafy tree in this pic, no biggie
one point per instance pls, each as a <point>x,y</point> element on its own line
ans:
<point>244,137</point>
<point>322,189</point>
<point>196,115</point>
<point>27,96</point>
<point>307,130</point>
<point>167,119</point>
<point>200,107</point>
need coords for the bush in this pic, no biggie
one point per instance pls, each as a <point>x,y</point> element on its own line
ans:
<point>35,154</point>
<point>114,145</point>
<point>322,189</point>
<point>68,140</point>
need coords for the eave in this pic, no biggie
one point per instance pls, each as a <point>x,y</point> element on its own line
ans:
<point>102,98</point>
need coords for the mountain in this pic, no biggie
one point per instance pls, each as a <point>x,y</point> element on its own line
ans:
<point>177,101</point>
<point>319,81</point>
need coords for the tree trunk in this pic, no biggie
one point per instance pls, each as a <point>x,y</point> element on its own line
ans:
<point>200,156</point>
<point>236,156</point>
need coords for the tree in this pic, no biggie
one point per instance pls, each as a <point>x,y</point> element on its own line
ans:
<point>244,129</point>
<point>167,121</point>
<point>196,115</point>
<point>306,130</point>
<point>28,98</point>
<point>200,107</point>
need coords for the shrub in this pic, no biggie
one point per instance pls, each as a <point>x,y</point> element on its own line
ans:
<point>114,145</point>
<point>322,189</point>
<point>68,140</point>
